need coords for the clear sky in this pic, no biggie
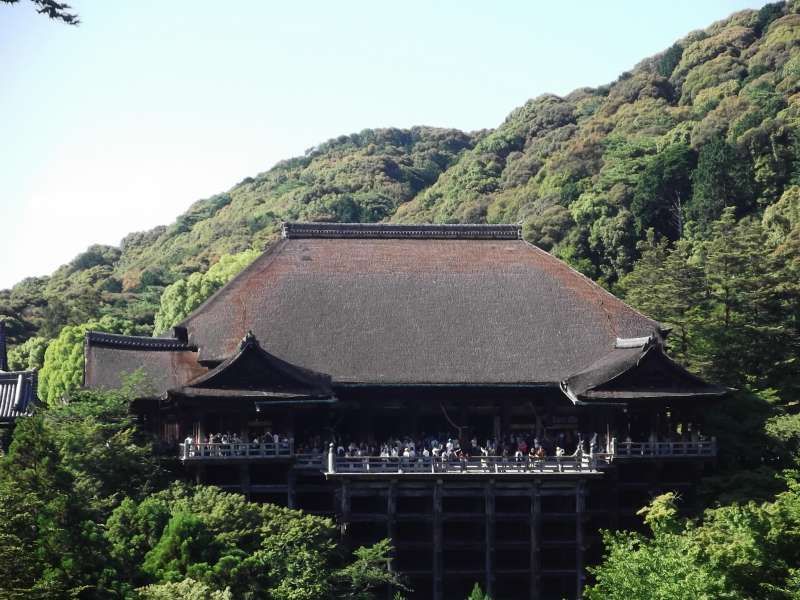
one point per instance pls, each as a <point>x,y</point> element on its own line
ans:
<point>119,124</point>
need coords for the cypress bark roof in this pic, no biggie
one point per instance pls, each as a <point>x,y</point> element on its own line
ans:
<point>416,304</point>
<point>388,304</point>
<point>636,368</point>
<point>166,363</point>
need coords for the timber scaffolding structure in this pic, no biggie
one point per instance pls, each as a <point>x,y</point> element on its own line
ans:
<point>369,332</point>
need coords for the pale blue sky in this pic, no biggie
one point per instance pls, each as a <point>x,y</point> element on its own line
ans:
<point>119,124</point>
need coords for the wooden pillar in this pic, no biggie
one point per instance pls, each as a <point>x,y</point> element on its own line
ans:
<point>244,480</point>
<point>489,500</point>
<point>580,506</point>
<point>438,565</point>
<point>536,536</point>
<point>391,524</point>
<point>291,493</point>
<point>505,417</point>
<point>200,474</point>
<point>612,477</point>
<point>344,507</point>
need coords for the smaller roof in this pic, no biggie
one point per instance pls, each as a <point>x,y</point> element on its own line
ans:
<point>636,368</point>
<point>165,362</point>
<point>252,372</point>
<point>18,395</point>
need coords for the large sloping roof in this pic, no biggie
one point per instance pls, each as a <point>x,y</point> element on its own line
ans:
<point>416,304</point>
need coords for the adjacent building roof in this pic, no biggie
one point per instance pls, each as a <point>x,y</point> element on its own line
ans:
<point>416,304</point>
<point>17,395</point>
<point>18,389</point>
<point>166,363</point>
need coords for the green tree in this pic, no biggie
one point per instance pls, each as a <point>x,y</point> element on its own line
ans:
<point>188,589</point>
<point>28,356</point>
<point>722,179</point>
<point>667,285</point>
<point>662,190</point>
<point>43,520</point>
<point>183,296</point>
<point>739,551</point>
<point>64,358</point>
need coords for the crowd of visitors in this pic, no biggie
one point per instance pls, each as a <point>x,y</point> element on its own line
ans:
<point>517,445</point>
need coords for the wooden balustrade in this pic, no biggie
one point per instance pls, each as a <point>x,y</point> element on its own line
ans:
<point>481,464</point>
<point>237,450</point>
<point>704,448</point>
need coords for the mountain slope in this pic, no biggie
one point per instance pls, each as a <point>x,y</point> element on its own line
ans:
<point>570,168</point>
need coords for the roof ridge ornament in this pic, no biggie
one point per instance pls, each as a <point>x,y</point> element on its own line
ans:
<point>460,231</point>
<point>249,339</point>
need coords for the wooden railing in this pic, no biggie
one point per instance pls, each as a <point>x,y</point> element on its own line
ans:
<point>239,450</point>
<point>337,465</point>
<point>483,464</point>
<point>707,448</point>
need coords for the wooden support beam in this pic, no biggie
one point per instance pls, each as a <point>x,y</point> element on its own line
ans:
<point>344,512</point>
<point>291,488</point>
<point>536,537</point>
<point>489,506</point>
<point>438,563</point>
<point>612,477</point>
<point>580,507</point>
<point>391,525</point>
<point>244,480</point>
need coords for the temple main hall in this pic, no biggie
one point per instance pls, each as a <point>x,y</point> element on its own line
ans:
<point>451,387</point>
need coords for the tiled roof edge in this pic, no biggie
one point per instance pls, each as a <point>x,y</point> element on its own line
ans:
<point>295,230</point>
<point>133,342</point>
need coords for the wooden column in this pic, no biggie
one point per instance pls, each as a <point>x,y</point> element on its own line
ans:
<point>291,493</point>
<point>580,507</point>
<point>612,475</point>
<point>489,500</point>
<point>391,525</point>
<point>438,566</point>
<point>505,417</point>
<point>244,480</point>
<point>536,536</point>
<point>344,507</point>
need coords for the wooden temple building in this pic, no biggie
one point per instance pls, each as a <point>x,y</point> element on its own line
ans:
<point>288,382</point>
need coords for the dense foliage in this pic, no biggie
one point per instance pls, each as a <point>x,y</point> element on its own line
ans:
<point>749,550</point>
<point>183,296</point>
<point>86,514</point>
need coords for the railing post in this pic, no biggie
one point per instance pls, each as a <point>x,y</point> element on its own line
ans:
<point>331,460</point>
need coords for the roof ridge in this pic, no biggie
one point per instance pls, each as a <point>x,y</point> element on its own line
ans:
<point>425,231</point>
<point>101,338</point>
